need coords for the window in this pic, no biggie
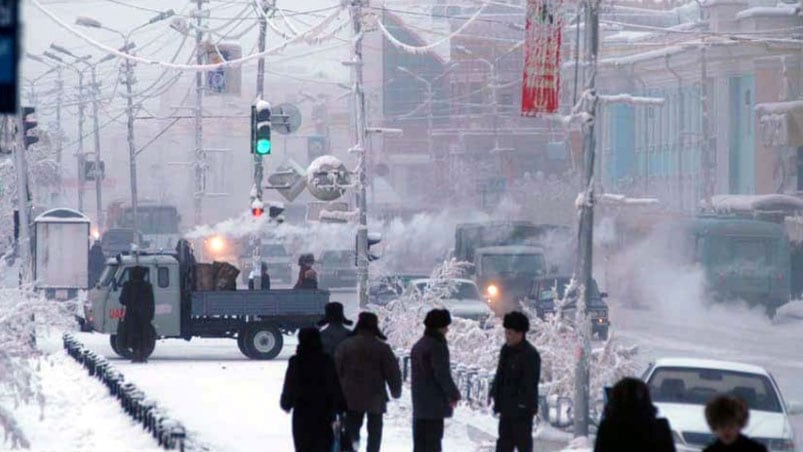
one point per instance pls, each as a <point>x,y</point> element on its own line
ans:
<point>126,275</point>
<point>163,277</point>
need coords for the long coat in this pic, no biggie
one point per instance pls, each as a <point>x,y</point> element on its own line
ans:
<point>137,297</point>
<point>96,264</point>
<point>366,365</point>
<point>332,335</point>
<point>432,385</point>
<point>515,387</point>
<point>311,390</point>
<point>634,434</point>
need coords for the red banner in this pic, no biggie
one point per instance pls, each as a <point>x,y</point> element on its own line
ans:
<point>542,38</point>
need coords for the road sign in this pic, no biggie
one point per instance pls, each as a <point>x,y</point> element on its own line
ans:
<point>289,180</point>
<point>285,118</point>
<point>89,170</point>
<point>316,146</point>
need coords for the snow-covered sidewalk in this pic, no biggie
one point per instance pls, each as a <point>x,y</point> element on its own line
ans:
<point>79,415</point>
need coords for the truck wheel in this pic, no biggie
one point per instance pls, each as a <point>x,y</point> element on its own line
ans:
<point>119,347</point>
<point>263,341</point>
<point>241,343</point>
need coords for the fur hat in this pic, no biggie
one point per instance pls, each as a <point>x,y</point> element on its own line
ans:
<point>516,321</point>
<point>437,318</point>
<point>368,321</point>
<point>334,313</point>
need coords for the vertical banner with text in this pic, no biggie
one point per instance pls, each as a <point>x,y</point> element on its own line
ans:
<point>542,40</point>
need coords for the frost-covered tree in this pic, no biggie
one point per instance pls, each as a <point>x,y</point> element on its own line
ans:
<point>23,314</point>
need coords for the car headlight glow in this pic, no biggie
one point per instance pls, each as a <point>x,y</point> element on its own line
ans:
<point>492,290</point>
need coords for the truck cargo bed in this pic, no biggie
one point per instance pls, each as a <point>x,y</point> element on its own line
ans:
<point>275,303</point>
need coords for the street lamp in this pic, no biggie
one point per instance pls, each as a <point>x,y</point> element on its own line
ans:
<point>129,81</point>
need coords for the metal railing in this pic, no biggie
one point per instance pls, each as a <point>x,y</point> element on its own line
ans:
<point>168,432</point>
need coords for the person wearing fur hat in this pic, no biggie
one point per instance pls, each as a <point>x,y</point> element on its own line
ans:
<point>312,391</point>
<point>333,327</point>
<point>515,387</point>
<point>434,392</point>
<point>366,365</point>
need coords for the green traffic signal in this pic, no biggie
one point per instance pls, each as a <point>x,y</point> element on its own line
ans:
<point>263,147</point>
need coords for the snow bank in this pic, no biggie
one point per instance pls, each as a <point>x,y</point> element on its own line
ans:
<point>769,11</point>
<point>779,107</point>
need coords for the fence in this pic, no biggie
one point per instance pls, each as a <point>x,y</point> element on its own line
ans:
<point>168,432</point>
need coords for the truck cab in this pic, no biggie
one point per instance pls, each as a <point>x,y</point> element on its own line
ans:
<point>505,273</point>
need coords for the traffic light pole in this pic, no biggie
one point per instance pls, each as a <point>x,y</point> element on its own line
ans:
<point>23,203</point>
<point>360,123</point>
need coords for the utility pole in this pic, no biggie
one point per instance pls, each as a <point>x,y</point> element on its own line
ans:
<point>59,131</point>
<point>96,127</point>
<point>23,202</point>
<point>80,154</point>
<point>360,124</point>
<point>586,229</point>
<point>200,153</point>
<point>132,150</point>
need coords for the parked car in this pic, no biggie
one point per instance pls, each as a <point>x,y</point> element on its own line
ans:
<point>337,270</point>
<point>460,296</point>
<point>390,287</point>
<point>680,388</point>
<point>546,289</point>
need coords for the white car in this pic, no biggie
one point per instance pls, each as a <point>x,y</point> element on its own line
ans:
<point>680,388</point>
<point>460,296</point>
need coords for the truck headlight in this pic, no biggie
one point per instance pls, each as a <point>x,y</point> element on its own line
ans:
<point>492,291</point>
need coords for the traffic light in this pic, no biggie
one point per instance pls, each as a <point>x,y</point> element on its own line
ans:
<point>28,124</point>
<point>373,239</point>
<point>260,128</point>
<point>257,208</point>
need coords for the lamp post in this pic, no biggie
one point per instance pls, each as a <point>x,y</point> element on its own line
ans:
<point>129,81</point>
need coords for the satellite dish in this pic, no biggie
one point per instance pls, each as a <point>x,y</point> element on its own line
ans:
<point>327,178</point>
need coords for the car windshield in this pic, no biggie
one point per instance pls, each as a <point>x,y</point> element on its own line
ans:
<point>273,251</point>
<point>107,276</point>
<point>338,258</point>
<point>698,386</point>
<point>452,290</point>
<point>529,264</point>
<point>117,237</point>
<point>545,290</point>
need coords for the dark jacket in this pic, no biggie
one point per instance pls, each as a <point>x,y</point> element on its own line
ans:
<point>311,387</point>
<point>515,387</point>
<point>636,434</point>
<point>365,366</point>
<point>96,264</point>
<point>137,297</point>
<point>264,282</point>
<point>432,385</point>
<point>742,444</point>
<point>332,335</point>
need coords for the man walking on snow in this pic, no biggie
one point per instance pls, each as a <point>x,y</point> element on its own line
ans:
<point>137,297</point>
<point>515,387</point>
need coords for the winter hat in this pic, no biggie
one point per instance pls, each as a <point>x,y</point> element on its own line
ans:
<point>368,321</point>
<point>516,321</point>
<point>437,319</point>
<point>309,341</point>
<point>137,273</point>
<point>334,313</point>
<point>306,259</point>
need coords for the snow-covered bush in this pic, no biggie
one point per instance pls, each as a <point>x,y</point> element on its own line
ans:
<point>477,345</point>
<point>23,314</point>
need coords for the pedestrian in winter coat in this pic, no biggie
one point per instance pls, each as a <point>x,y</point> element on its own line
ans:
<point>307,277</point>
<point>333,329</point>
<point>264,278</point>
<point>312,392</point>
<point>366,365</point>
<point>727,416</point>
<point>137,297</point>
<point>515,387</point>
<point>629,421</point>
<point>97,262</point>
<point>434,392</point>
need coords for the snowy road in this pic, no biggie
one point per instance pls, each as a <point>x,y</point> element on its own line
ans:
<point>722,332</point>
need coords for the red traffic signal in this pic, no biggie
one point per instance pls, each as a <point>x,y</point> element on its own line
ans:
<point>257,212</point>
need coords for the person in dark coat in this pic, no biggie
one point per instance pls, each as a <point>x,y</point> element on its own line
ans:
<point>333,327</point>
<point>97,262</point>
<point>366,366</point>
<point>307,278</point>
<point>312,392</point>
<point>264,278</point>
<point>727,415</point>
<point>137,297</point>
<point>434,392</point>
<point>515,387</point>
<point>629,421</point>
